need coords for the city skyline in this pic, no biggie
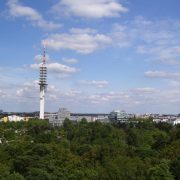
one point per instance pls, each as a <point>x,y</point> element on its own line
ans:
<point>101,55</point>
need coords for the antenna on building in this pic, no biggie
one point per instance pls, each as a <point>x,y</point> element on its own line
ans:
<point>42,83</point>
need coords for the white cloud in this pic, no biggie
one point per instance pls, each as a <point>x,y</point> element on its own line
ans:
<point>25,97</point>
<point>72,93</point>
<point>82,31</point>
<point>81,42</point>
<point>60,68</point>
<point>146,90</point>
<point>121,98</point>
<point>70,61</point>
<point>57,68</point>
<point>90,8</point>
<point>33,88</point>
<point>29,90</point>
<point>99,84</point>
<point>159,40</point>
<point>162,74</point>
<point>20,96</point>
<point>15,9</point>
<point>121,35</point>
<point>165,54</point>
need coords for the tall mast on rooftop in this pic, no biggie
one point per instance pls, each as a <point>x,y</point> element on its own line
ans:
<point>42,83</point>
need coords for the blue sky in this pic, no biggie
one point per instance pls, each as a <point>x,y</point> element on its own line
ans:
<point>101,55</point>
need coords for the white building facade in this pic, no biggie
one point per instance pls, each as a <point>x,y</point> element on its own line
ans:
<point>118,116</point>
<point>58,118</point>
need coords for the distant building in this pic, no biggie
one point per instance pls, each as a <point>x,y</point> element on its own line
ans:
<point>102,118</point>
<point>77,117</point>
<point>175,122</point>
<point>14,118</point>
<point>58,118</point>
<point>158,120</point>
<point>117,116</point>
<point>4,119</point>
<point>166,118</point>
<point>90,117</point>
<point>63,113</point>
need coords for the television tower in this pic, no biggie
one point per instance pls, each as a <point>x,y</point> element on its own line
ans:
<point>42,83</point>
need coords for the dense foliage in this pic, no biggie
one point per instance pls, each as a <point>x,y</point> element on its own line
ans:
<point>35,150</point>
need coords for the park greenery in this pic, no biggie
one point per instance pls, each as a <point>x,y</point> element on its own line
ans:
<point>141,150</point>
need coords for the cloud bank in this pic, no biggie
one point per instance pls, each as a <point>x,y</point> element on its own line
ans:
<point>85,42</point>
<point>17,10</point>
<point>90,8</point>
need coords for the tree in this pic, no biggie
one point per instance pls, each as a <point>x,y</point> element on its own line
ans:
<point>160,172</point>
<point>15,176</point>
<point>4,171</point>
<point>37,174</point>
<point>161,140</point>
<point>175,168</point>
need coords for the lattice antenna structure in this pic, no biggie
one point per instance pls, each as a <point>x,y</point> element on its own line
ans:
<point>42,83</point>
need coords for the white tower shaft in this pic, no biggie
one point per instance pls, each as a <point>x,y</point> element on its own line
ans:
<point>42,102</point>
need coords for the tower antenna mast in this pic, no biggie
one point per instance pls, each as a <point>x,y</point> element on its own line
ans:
<point>42,83</point>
